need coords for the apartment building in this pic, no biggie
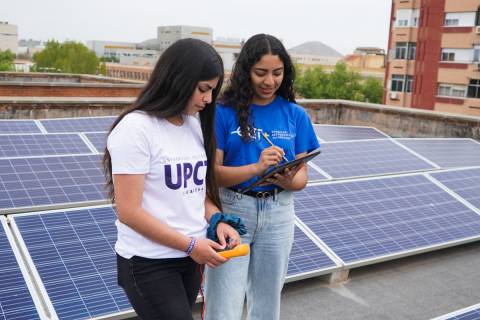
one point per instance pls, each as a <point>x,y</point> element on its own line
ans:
<point>8,37</point>
<point>434,56</point>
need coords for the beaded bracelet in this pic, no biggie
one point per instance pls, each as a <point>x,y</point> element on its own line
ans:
<point>191,245</point>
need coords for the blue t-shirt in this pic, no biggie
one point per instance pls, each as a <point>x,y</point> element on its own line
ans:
<point>287,125</point>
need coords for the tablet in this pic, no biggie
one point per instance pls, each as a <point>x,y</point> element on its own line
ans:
<point>279,169</point>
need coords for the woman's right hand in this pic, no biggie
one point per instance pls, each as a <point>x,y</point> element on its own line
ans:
<point>270,156</point>
<point>204,253</point>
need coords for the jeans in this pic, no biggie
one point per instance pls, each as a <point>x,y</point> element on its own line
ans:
<point>260,275</point>
<point>160,288</point>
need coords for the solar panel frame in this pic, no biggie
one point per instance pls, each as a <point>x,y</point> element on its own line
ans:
<point>125,314</point>
<point>79,124</point>
<point>29,145</point>
<point>396,255</point>
<point>357,159</point>
<point>24,188</point>
<point>462,314</point>
<point>12,126</point>
<point>436,153</point>
<point>312,243</point>
<point>363,133</point>
<point>36,300</point>
<point>97,139</point>
<point>463,193</point>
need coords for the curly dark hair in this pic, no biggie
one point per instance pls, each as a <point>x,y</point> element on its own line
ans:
<point>239,93</point>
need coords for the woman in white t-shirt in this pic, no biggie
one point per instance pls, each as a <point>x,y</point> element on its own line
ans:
<point>159,164</point>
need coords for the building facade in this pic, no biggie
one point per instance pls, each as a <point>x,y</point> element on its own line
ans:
<point>228,49</point>
<point>167,35</point>
<point>8,37</point>
<point>434,56</point>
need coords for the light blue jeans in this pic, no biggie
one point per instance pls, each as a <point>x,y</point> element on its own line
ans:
<point>261,274</point>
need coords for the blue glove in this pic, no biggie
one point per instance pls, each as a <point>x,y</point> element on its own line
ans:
<point>229,219</point>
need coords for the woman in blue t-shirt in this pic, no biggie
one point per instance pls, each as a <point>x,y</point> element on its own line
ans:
<point>258,109</point>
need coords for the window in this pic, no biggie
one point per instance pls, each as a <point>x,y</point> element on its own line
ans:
<point>451,90</point>
<point>402,23</point>
<point>474,88</point>
<point>448,56</point>
<point>409,83</point>
<point>451,22</point>
<point>412,50</point>
<point>404,50</point>
<point>397,83</point>
<point>476,53</point>
<point>401,50</point>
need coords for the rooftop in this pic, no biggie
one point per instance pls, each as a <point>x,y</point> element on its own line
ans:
<point>422,282</point>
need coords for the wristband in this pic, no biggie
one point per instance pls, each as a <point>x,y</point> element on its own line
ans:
<point>191,245</point>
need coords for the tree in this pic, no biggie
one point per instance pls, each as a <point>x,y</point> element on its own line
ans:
<point>6,60</point>
<point>372,89</point>
<point>67,57</point>
<point>103,69</point>
<point>341,83</point>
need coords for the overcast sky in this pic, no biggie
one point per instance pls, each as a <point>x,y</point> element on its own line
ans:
<point>341,24</point>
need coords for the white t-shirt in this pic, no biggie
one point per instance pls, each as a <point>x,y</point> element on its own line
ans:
<point>174,163</point>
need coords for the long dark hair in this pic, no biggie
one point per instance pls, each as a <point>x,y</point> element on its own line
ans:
<point>239,93</point>
<point>172,83</point>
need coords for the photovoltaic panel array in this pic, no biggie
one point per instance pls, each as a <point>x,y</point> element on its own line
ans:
<point>374,219</point>
<point>18,126</point>
<point>306,257</point>
<point>465,183</point>
<point>344,133</point>
<point>98,139</point>
<point>366,158</point>
<point>73,253</point>
<point>24,145</point>
<point>446,153</point>
<point>93,124</point>
<point>48,181</point>
<point>15,299</point>
<point>469,313</point>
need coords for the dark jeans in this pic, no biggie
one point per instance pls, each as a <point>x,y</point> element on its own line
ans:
<point>163,289</point>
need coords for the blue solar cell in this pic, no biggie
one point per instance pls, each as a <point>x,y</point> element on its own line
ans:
<point>50,181</point>
<point>93,124</point>
<point>366,158</point>
<point>15,299</point>
<point>73,252</point>
<point>465,183</point>
<point>98,139</point>
<point>306,256</point>
<point>468,315</point>
<point>446,153</point>
<point>41,144</point>
<point>343,133</point>
<point>370,219</point>
<point>19,126</point>
<point>314,175</point>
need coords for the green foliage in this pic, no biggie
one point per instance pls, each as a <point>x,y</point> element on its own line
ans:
<point>341,83</point>
<point>67,57</point>
<point>6,60</point>
<point>103,69</point>
<point>109,59</point>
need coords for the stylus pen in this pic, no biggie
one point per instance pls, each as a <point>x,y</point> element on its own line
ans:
<point>265,135</point>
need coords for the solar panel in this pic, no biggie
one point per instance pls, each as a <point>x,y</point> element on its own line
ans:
<point>19,126</point>
<point>98,139</point>
<point>306,257</point>
<point>343,133</point>
<point>469,313</point>
<point>446,153</point>
<point>314,175</point>
<point>93,124</point>
<point>74,258</point>
<point>465,183</point>
<point>376,219</point>
<point>366,158</point>
<point>47,181</point>
<point>41,144</point>
<point>15,299</point>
